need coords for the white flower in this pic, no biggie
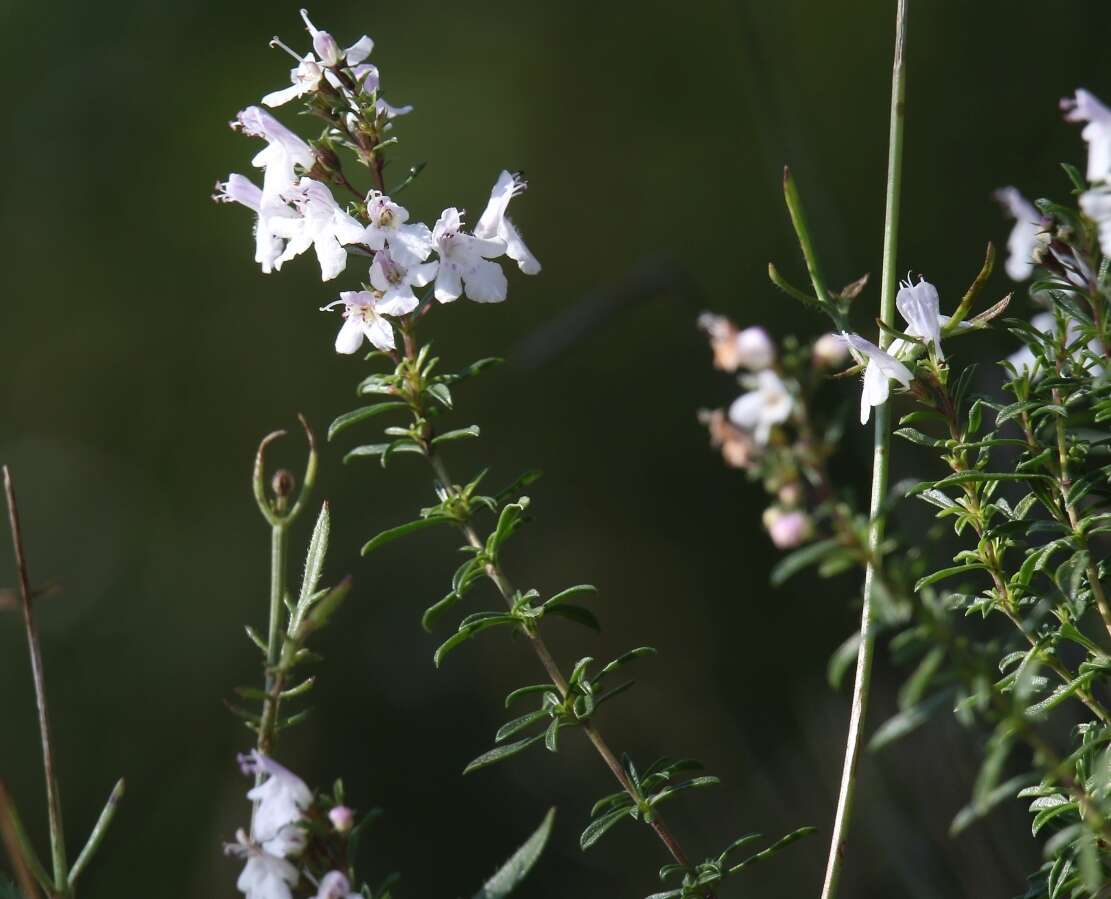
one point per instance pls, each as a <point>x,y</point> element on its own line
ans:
<point>465,262</point>
<point>1023,240</point>
<point>1086,107</point>
<point>408,244</point>
<point>334,885</point>
<point>268,246</point>
<point>282,799</point>
<point>881,368</point>
<point>396,282</point>
<point>363,316</point>
<point>391,112</point>
<point>759,410</point>
<point>322,224</point>
<point>326,47</point>
<point>305,78</point>
<point>284,150</point>
<point>495,224</point>
<point>265,876</point>
<point>919,305</point>
<point>1097,206</point>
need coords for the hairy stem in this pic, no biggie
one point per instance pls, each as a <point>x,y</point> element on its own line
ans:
<point>881,448</point>
<point>279,542</point>
<point>53,799</point>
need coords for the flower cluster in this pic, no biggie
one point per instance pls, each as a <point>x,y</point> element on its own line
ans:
<point>279,834</point>
<point>766,430</point>
<point>295,209</point>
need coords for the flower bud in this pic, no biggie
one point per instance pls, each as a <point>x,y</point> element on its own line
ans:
<point>326,48</point>
<point>755,349</point>
<point>830,351</point>
<point>283,483</point>
<point>791,494</point>
<point>342,818</point>
<point>787,529</point>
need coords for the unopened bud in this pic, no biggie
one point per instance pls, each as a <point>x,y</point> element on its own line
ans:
<point>283,483</point>
<point>787,529</point>
<point>755,349</point>
<point>830,351</point>
<point>791,494</point>
<point>342,818</point>
<point>326,157</point>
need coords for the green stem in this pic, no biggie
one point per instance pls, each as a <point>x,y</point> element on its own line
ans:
<point>881,454</point>
<point>53,798</point>
<point>279,543</point>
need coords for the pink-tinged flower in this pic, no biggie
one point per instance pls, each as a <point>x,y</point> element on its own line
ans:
<point>281,801</point>
<point>328,50</point>
<point>880,368</point>
<point>264,876</point>
<point>752,347</point>
<point>762,408</point>
<point>1086,107</point>
<point>342,818</point>
<point>495,224</point>
<point>364,314</point>
<point>787,529</point>
<point>465,264</point>
<point>396,282</point>
<point>322,225</point>
<point>388,227</point>
<point>1023,240</point>
<point>334,885</point>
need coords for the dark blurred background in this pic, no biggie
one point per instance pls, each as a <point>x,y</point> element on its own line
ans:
<point>144,355</point>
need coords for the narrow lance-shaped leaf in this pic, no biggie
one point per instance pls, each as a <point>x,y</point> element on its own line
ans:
<point>510,875</point>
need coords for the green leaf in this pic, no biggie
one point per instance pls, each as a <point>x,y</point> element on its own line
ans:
<point>568,593</point>
<point>470,629</point>
<point>440,392</point>
<point>519,724</point>
<point>314,558</point>
<point>918,437</point>
<point>460,434</point>
<point>948,572</point>
<point>498,753</point>
<point>901,724</point>
<point>433,612</point>
<point>578,614</point>
<point>357,415</point>
<point>780,844</point>
<point>470,371</point>
<point>402,530</point>
<point>976,810</point>
<point>800,559</point>
<point>597,828</point>
<point>510,875</point>
<point>970,477</point>
<point>843,657</point>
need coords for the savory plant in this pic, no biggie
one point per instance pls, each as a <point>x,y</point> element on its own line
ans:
<point>1017,639</point>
